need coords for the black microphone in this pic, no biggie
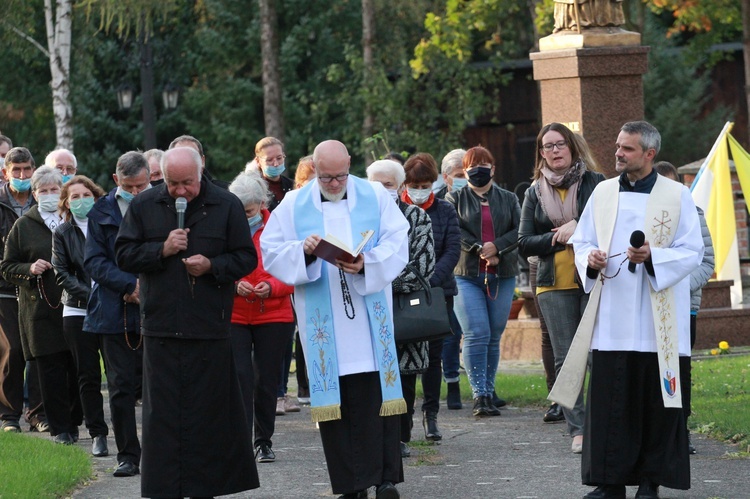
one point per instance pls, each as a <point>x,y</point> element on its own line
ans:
<point>637,238</point>
<point>180,204</point>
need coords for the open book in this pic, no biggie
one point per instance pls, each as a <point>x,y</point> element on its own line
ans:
<point>330,248</point>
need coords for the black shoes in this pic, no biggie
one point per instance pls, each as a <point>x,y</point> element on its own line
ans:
<point>63,438</point>
<point>362,494</point>
<point>483,407</point>
<point>10,426</point>
<point>387,490</point>
<point>405,451</point>
<point>40,426</point>
<point>554,414</point>
<point>126,468</point>
<point>607,492</point>
<point>99,447</point>
<point>691,447</point>
<point>497,401</point>
<point>648,490</point>
<point>429,423</point>
<point>264,454</point>
<point>454,396</point>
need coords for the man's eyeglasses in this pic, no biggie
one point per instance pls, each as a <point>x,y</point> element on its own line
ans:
<point>339,178</point>
<point>67,170</point>
<point>275,160</point>
<point>560,146</point>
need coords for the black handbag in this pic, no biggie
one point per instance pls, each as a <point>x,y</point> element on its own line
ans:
<point>420,315</point>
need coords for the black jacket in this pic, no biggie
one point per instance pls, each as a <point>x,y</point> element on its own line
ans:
<point>68,244</point>
<point>8,217</point>
<point>505,211</point>
<point>173,303</point>
<point>447,237</point>
<point>287,185</point>
<point>535,232</point>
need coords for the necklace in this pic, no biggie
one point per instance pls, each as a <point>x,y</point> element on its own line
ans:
<point>348,304</point>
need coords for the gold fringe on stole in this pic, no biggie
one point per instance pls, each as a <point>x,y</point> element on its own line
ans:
<point>393,407</point>
<point>326,413</point>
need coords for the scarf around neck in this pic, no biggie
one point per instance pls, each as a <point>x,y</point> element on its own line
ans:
<point>558,211</point>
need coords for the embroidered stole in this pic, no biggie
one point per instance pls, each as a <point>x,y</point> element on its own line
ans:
<point>322,366</point>
<point>661,220</point>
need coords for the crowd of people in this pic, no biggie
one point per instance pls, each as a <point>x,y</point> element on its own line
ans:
<point>197,294</point>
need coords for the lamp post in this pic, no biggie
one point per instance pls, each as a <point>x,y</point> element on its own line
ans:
<point>170,95</point>
<point>125,96</point>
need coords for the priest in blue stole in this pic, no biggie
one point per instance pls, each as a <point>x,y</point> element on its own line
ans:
<point>344,314</point>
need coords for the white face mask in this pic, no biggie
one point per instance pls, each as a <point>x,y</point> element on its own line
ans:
<point>393,193</point>
<point>419,196</point>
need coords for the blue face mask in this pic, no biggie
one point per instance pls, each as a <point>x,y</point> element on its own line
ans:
<point>19,185</point>
<point>255,220</point>
<point>48,202</point>
<point>274,171</point>
<point>80,207</point>
<point>66,178</point>
<point>458,183</point>
<point>125,195</point>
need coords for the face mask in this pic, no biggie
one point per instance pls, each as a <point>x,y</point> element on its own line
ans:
<point>66,178</point>
<point>80,207</point>
<point>255,220</point>
<point>48,202</point>
<point>393,193</point>
<point>419,196</point>
<point>274,171</point>
<point>125,195</point>
<point>458,183</point>
<point>19,185</point>
<point>480,176</point>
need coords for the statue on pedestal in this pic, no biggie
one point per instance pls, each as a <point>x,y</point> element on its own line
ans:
<point>577,15</point>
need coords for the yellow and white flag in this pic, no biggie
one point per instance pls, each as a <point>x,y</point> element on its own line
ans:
<point>712,191</point>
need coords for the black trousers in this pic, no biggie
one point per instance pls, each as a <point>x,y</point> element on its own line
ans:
<point>303,384</point>
<point>120,362</point>
<point>433,376</point>
<point>259,354</point>
<point>85,349</point>
<point>58,380</point>
<point>361,448</point>
<point>409,389</point>
<point>14,380</point>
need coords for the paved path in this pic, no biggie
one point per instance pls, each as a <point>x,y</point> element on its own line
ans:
<point>512,456</point>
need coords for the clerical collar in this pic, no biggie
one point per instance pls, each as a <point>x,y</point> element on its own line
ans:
<point>324,200</point>
<point>642,186</point>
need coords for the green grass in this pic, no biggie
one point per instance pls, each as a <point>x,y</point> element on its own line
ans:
<point>37,467</point>
<point>721,398</point>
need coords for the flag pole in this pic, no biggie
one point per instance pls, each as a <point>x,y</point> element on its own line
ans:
<point>727,128</point>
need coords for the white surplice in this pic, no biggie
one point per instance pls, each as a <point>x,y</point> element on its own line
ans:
<point>284,258</point>
<point>625,320</point>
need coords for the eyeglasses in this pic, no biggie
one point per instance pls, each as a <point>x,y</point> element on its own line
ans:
<point>339,178</point>
<point>275,160</point>
<point>560,146</point>
<point>67,170</point>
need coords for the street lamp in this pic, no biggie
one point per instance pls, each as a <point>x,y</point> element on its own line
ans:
<point>170,95</point>
<point>125,96</point>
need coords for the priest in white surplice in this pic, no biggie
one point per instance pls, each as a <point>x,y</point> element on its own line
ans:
<point>637,322</point>
<point>344,317</point>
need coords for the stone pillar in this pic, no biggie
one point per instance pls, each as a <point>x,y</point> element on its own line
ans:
<point>593,90</point>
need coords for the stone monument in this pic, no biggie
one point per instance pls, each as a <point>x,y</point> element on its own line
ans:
<point>590,73</point>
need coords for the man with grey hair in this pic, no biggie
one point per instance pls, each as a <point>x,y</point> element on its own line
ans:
<point>188,266</point>
<point>112,311</point>
<point>195,144</point>
<point>16,200</point>
<point>636,323</point>
<point>63,160</point>
<point>153,156</point>
<point>452,172</point>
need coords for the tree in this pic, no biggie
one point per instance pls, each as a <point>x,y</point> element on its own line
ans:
<point>368,60</point>
<point>273,114</point>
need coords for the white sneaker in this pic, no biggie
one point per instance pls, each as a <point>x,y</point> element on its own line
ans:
<point>577,445</point>
<point>290,404</point>
<point>303,400</point>
<point>280,411</point>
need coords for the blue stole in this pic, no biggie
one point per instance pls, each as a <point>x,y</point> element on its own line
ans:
<point>322,363</point>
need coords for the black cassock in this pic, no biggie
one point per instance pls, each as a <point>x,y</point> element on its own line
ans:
<point>195,436</point>
<point>361,448</point>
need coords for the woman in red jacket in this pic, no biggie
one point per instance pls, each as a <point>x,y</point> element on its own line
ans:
<point>262,323</point>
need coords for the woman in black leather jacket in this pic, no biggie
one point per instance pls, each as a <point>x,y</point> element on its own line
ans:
<point>563,183</point>
<point>488,218</point>
<point>68,241</point>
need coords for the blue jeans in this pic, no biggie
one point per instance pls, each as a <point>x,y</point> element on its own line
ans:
<point>563,310</point>
<point>452,345</point>
<point>483,321</point>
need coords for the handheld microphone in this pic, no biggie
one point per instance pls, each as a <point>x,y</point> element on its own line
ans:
<point>637,238</point>
<point>180,204</point>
